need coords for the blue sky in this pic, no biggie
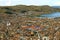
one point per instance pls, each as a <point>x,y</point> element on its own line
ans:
<point>30,2</point>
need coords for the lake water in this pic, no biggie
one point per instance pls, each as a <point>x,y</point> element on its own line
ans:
<point>51,15</point>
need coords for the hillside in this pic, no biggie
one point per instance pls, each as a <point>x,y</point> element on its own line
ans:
<point>24,8</point>
<point>20,23</point>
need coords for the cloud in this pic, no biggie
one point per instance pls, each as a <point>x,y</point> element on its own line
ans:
<point>5,2</point>
<point>8,3</point>
<point>29,2</point>
<point>57,3</point>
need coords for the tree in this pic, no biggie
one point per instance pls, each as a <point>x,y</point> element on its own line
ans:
<point>23,11</point>
<point>8,12</point>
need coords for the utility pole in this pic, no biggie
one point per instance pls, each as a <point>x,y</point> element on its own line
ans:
<point>31,39</point>
<point>38,35</point>
<point>7,24</point>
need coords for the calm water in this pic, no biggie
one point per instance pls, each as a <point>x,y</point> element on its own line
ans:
<point>52,15</point>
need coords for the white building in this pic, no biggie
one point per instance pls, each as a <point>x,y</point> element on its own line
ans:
<point>8,24</point>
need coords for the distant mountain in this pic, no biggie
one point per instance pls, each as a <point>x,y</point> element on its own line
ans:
<point>56,6</point>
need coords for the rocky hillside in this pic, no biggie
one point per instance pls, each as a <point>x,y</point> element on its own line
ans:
<point>24,8</point>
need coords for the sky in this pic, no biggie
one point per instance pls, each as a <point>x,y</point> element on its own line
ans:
<point>29,2</point>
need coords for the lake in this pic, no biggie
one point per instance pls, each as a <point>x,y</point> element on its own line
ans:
<point>51,15</point>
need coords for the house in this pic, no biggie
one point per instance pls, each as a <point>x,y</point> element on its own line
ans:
<point>8,24</point>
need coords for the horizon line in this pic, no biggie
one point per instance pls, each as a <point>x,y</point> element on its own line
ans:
<point>28,5</point>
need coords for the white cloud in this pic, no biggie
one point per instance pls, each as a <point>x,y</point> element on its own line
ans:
<point>8,3</point>
<point>5,2</point>
<point>29,2</point>
<point>57,3</point>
